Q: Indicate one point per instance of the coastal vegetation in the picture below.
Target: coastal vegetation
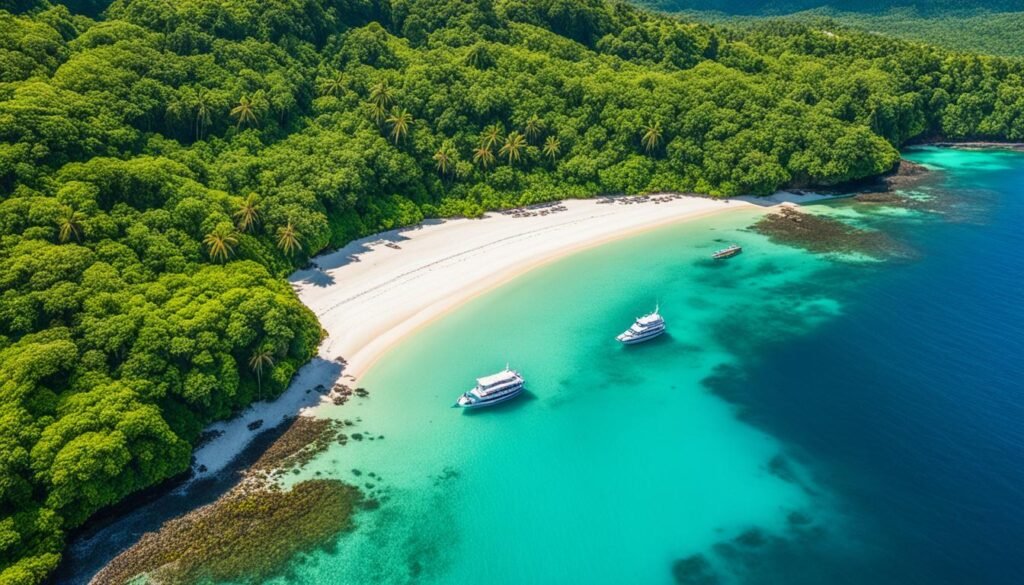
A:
(163, 165)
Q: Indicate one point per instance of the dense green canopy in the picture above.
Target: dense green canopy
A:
(164, 164)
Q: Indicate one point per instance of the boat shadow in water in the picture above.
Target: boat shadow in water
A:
(522, 401)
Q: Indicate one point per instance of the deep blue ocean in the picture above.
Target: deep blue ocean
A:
(911, 403)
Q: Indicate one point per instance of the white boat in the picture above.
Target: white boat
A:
(644, 329)
(729, 252)
(493, 389)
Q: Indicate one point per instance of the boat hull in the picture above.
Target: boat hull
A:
(640, 339)
(726, 254)
(486, 403)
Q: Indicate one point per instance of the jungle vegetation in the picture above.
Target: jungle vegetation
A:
(163, 166)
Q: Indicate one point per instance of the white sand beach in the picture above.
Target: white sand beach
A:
(369, 295)
(379, 289)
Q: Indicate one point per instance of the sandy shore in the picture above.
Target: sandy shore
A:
(369, 295)
(376, 290)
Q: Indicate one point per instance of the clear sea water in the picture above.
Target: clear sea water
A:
(809, 419)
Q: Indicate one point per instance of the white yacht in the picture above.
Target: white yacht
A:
(644, 329)
(493, 389)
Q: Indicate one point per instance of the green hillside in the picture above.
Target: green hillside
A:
(991, 28)
(163, 166)
(776, 7)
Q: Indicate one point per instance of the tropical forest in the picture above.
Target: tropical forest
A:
(164, 165)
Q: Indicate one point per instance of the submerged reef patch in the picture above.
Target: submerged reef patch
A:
(250, 533)
(825, 235)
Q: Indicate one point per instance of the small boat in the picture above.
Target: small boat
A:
(729, 252)
(643, 329)
(493, 389)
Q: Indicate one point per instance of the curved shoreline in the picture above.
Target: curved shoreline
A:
(432, 278)
(377, 290)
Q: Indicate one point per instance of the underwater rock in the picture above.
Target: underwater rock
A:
(304, 439)
(246, 536)
(884, 197)
(797, 519)
(751, 538)
(694, 570)
(821, 234)
(780, 468)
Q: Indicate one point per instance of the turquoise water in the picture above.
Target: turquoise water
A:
(617, 463)
(739, 437)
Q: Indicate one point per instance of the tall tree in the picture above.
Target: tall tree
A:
(202, 104)
(382, 97)
(445, 158)
(69, 224)
(288, 239)
(534, 126)
(245, 111)
(248, 213)
(651, 136)
(483, 156)
(400, 120)
(513, 148)
(221, 242)
(334, 85)
(552, 148)
(383, 94)
(491, 136)
(262, 357)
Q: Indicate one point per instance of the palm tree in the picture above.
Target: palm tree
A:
(245, 111)
(381, 98)
(381, 93)
(70, 224)
(261, 358)
(288, 239)
(513, 147)
(333, 85)
(202, 105)
(651, 137)
(248, 213)
(377, 112)
(479, 57)
(221, 242)
(400, 120)
(445, 157)
(534, 126)
(552, 148)
(483, 156)
(491, 136)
